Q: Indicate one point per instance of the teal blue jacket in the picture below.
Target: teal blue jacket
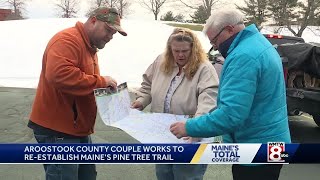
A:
(251, 102)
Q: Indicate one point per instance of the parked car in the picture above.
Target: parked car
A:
(301, 66)
(216, 60)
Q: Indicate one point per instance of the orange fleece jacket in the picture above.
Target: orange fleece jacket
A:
(64, 100)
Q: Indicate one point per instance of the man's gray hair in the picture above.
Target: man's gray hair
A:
(223, 17)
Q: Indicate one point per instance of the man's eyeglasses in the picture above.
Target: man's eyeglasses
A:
(215, 38)
(213, 41)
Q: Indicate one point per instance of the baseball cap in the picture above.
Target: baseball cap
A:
(110, 16)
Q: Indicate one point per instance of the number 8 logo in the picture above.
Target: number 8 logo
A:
(275, 153)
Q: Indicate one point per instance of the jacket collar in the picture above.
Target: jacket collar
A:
(85, 37)
(245, 33)
(224, 47)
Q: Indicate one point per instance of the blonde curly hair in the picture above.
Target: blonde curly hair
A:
(197, 55)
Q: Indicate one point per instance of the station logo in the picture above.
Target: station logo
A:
(276, 152)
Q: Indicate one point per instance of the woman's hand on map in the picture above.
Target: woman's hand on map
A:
(137, 105)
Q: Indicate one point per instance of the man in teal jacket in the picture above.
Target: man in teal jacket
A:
(251, 102)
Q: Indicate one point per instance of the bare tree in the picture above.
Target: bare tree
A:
(18, 7)
(294, 15)
(121, 5)
(111, 3)
(99, 3)
(283, 11)
(153, 5)
(208, 5)
(95, 4)
(308, 15)
(68, 8)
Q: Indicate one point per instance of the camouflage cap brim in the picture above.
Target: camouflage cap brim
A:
(117, 28)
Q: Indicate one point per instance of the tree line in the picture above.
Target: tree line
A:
(65, 8)
(295, 15)
(70, 8)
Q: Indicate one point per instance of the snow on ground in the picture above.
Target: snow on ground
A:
(124, 58)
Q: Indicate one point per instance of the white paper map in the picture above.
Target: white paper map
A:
(114, 109)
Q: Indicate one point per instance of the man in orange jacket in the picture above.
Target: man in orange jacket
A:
(64, 109)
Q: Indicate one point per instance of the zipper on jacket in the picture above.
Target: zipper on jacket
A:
(94, 59)
(75, 112)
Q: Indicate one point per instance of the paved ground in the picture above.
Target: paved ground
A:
(15, 107)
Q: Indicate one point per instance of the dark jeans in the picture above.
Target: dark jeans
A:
(67, 171)
(260, 172)
(180, 171)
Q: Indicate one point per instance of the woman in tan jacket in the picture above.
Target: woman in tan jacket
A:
(180, 81)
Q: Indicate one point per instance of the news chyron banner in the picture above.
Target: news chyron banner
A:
(270, 153)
